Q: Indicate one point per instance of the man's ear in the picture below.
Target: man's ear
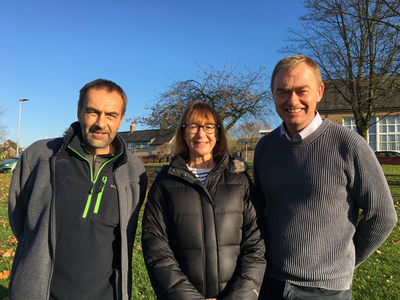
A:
(320, 92)
(122, 118)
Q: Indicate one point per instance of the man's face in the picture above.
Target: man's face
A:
(296, 94)
(100, 118)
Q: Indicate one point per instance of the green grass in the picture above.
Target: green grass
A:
(377, 278)
(392, 174)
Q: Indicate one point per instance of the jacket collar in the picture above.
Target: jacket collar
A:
(232, 164)
(73, 137)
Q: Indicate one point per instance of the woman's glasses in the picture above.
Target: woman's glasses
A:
(194, 128)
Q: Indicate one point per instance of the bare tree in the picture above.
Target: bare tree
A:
(249, 131)
(356, 45)
(393, 11)
(3, 128)
(235, 95)
(162, 151)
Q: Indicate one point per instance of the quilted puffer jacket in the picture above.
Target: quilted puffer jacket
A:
(203, 241)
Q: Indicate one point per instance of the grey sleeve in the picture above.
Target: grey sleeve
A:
(371, 191)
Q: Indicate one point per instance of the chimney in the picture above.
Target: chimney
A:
(133, 127)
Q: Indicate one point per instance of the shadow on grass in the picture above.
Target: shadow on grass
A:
(3, 292)
(394, 183)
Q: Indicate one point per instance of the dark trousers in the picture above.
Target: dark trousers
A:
(279, 290)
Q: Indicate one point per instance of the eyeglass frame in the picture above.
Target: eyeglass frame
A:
(201, 126)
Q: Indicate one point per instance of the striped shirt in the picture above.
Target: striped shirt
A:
(201, 174)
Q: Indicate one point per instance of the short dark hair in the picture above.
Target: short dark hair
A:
(198, 112)
(102, 84)
(290, 62)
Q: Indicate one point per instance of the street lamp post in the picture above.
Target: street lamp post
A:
(19, 120)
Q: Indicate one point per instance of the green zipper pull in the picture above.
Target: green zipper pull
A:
(100, 194)
(91, 188)
(89, 199)
(103, 183)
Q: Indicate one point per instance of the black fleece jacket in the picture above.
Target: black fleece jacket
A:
(203, 241)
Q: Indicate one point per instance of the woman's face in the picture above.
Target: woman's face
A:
(201, 144)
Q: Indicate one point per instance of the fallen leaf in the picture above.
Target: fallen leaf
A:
(5, 274)
(379, 252)
(8, 253)
(12, 240)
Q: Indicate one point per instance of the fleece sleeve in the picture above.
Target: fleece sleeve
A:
(17, 202)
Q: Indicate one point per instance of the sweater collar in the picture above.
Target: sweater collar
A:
(305, 132)
(310, 138)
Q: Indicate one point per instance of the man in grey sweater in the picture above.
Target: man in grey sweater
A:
(315, 176)
(74, 204)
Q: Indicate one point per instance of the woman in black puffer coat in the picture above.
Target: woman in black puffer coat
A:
(200, 232)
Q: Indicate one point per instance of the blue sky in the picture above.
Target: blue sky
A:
(50, 49)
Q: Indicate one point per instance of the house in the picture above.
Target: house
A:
(144, 142)
(264, 131)
(384, 132)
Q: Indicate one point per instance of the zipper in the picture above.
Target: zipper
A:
(89, 199)
(93, 183)
(100, 194)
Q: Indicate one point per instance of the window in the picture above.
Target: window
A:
(144, 145)
(389, 130)
(137, 145)
(350, 123)
(130, 146)
(383, 133)
(393, 154)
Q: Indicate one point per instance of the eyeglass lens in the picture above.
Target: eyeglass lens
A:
(194, 128)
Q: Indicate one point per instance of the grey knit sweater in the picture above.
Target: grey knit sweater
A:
(314, 190)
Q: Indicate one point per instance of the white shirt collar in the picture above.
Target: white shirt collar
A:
(310, 128)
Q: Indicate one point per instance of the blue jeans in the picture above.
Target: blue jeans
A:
(279, 290)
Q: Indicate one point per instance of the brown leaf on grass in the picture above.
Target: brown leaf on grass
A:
(395, 242)
(12, 240)
(379, 252)
(8, 253)
(5, 274)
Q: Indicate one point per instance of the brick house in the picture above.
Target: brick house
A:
(384, 132)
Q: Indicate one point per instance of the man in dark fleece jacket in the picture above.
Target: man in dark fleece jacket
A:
(74, 204)
(315, 176)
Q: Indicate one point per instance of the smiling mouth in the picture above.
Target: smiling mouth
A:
(96, 133)
(294, 110)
